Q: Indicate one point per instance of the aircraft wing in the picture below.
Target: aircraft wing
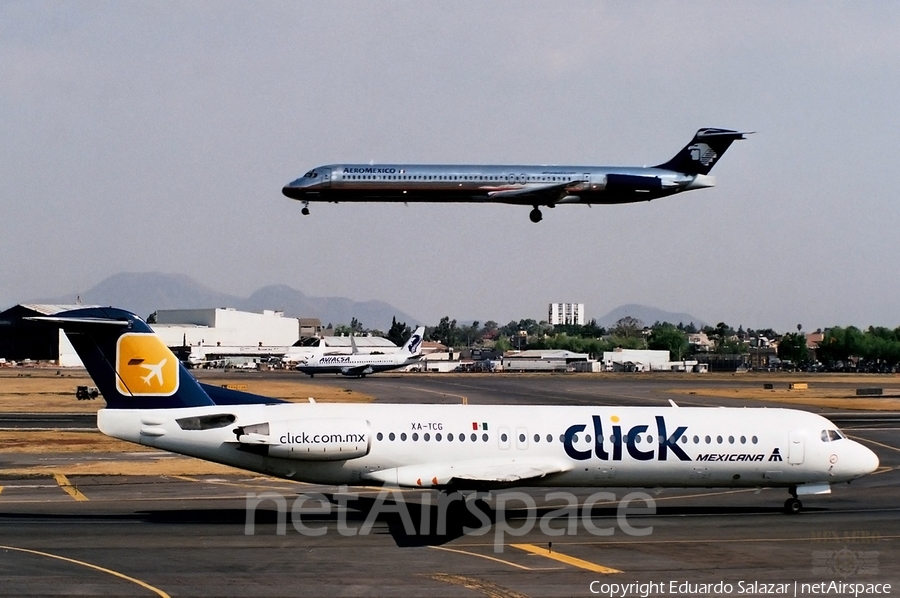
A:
(549, 193)
(472, 474)
(503, 473)
(357, 370)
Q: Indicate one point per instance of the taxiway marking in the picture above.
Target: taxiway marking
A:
(483, 556)
(564, 558)
(487, 588)
(143, 584)
(887, 446)
(68, 488)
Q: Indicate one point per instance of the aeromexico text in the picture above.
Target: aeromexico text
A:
(667, 444)
(369, 170)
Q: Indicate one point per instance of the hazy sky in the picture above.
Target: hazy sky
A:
(156, 136)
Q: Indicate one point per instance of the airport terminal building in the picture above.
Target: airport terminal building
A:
(225, 328)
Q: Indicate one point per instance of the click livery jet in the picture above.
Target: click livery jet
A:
(451, 447)
(519, 185)
(362, 364)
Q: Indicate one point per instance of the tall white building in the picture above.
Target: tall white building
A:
(566, 313)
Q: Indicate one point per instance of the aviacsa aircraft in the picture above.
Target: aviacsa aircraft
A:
(520, 185)
(151, 399)
(362, 364)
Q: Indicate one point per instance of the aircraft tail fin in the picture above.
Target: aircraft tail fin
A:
(414, 345)
(704, 150)
(129, 363)
(353, 348)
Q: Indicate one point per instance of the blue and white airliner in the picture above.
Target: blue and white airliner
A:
(516, 184)
(359, 364)
(450, 447)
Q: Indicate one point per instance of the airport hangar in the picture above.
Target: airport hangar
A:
(209, 332)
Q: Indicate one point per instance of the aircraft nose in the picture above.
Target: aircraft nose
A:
(862, 461)
(293, 190)
(868, 460)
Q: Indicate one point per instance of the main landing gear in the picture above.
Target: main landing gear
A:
(793, 505)
(536, 215)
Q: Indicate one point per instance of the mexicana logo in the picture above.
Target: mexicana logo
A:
(414, 343)
(666, 443)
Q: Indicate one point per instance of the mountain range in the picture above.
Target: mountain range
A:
(145, 292)
(647, 315)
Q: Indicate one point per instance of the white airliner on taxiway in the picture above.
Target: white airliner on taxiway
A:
(451, 447)
(362, 364)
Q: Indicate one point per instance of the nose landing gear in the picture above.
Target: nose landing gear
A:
(536, 215)
(793, 505)
(305, 210)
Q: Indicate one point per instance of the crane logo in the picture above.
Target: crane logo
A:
(145, 366)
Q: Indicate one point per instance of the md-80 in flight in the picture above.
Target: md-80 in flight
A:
(534, 186)
(451, 447)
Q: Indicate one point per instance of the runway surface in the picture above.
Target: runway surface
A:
(191, 536)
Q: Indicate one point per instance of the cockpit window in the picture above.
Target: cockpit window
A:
(311, 174)
(831, 435)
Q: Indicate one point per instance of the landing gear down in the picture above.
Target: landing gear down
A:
(793, 505)
(536, 215)
(305, 210)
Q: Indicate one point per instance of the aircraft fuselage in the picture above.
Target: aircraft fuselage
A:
(547, 185)
(442, 445)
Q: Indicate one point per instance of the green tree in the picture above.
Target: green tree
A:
(399, 332)
(446, 332)
(628, 328)
(666, 337)
(469, 334)
(792, 347)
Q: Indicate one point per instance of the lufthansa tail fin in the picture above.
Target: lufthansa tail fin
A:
(131, 366)
(704, 150)
(414, 345)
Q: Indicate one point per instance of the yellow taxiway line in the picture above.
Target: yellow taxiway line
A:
(68, 488)
(157, 591)
(564, 558)
(482, 556)
(491, 590)
(887, 446)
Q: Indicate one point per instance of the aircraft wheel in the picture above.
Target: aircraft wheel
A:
(792, 506)
(305, 211)
(536, 215)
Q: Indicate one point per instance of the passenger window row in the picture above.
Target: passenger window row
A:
(638, 439)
